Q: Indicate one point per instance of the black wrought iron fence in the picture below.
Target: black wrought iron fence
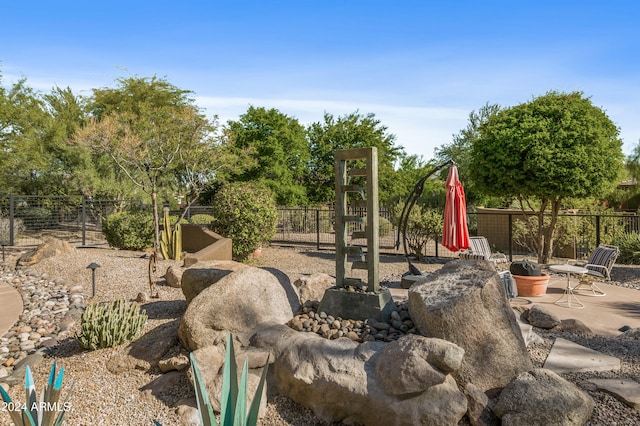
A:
(577, 234)
(26, 220)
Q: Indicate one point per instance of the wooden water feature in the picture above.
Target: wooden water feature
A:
(352, 297)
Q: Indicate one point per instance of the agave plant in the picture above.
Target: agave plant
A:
(47, 411)
(233, 405)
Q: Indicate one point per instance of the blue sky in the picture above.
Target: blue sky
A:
(420, 66)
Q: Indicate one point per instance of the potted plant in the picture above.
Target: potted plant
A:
(529, 279)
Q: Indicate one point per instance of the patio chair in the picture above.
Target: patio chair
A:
(479, 249)
(599, 267)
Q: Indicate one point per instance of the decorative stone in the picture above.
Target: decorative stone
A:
(464, 303)
(541, 317)
(179, 362)
(542, 397)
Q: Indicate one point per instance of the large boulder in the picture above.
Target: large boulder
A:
(414, 363)
(343, 381)
(465, 303)
(204, 274)
(541, 397)
(240, 302)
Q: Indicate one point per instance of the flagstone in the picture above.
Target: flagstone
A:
(569, 357)
(625, 390)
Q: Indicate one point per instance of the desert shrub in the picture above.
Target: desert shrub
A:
(525, 229)
(629, 245)
(384, 227)
(174, 218)
(247, 214)
(571, 229)
(424, 224)
(35, 218)
(129, 230)
(201, 219)
(110, 324)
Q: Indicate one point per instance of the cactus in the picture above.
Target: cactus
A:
(233, 404)
(47, 411)
(170, 240)
(110, 324)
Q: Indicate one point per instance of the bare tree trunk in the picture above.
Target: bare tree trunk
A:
(540, 236)
(156, 218)
(156, 240)
(550, 232)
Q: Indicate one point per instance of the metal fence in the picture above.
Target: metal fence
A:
(311, 226)
(26, 220)
(577, 234)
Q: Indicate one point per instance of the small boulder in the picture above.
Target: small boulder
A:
(142, 298)
(187, 410)
(179, 362)
(541, 317)
(162, 384)
(50, 248)
(312, 287)
(173, 276)
(480, 407)
(415, 363)
(541, 397)
(574, 325)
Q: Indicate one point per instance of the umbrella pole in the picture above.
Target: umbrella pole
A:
(406, 210)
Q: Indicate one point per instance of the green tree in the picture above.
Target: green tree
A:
(35, 132)
(412, 169)
(459, 151)
(67, 168)
(153, 132)
(22, 120)
(349, 131)
(278, 144)
(628, 197)
(554, 147)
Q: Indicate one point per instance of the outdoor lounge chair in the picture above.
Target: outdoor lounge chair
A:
(599, 267)
(479, 249)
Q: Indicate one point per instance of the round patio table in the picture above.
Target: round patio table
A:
(568, 291)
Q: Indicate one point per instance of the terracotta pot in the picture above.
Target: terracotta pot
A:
(531, 285)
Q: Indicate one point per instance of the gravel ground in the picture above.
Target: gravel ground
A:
(100, 397)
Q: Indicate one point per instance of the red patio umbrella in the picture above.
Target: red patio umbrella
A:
(455, 235)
